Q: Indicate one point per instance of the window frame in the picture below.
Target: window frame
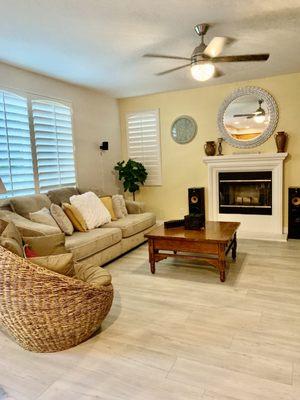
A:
(29, 96)
(157, 112)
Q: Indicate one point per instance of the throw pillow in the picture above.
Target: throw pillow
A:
(61, 219)
(3, 225)
(107, 201)
(11, 239)
(28, 253)
(43, 216)
(47, 245)
(119, 206)
(92, 209)
(60, 263)
(75, 217)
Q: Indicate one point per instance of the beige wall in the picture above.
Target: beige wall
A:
(182, 165)
(95, 118)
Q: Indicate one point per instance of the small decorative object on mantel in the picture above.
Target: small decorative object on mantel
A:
(220, 140)
(281, 139)
(210, 148)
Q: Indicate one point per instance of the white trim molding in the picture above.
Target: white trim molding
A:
(266, 227)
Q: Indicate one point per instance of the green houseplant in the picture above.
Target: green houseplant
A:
(133, 174)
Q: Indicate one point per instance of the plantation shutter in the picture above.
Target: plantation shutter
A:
(52, 124)
(16, 168)
(143, 140)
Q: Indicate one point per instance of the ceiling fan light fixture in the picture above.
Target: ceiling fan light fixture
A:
(259, 118)
(202, 72)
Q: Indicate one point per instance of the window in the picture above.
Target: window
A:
(143, 141)
(36, 145)
(52, 124)
(16, 168)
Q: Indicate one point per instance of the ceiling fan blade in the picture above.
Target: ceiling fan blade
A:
(164, 56)
(215, 46)
(246, 57)
(244, 115)
(218, 73)
(173, 69)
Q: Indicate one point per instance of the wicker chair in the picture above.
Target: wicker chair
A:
(45, 311)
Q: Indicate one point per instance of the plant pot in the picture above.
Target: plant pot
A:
(281, 139)
(210, 148)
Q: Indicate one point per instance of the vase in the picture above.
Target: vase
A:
(281, 139)
(220, 140)
(210, 148)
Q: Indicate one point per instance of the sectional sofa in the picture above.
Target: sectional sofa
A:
(97, 246)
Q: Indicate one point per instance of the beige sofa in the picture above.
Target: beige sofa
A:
(99, 245)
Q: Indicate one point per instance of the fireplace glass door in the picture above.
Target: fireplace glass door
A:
(245, 193)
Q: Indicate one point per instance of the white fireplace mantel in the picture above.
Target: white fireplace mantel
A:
(268, 227)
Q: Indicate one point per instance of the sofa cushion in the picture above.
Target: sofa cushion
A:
(27, 227)
(133, 223)
(85, 244)
(62, 195)
(61, 263)
(11, 239)
(92, 274)
(24, 205)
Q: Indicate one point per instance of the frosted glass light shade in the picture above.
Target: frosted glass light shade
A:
(202, 72)
(259, 118)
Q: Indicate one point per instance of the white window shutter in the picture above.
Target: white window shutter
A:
(143, 143)
(16, 168)
(52, 124)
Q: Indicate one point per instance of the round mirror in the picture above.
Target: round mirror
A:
(248, 117)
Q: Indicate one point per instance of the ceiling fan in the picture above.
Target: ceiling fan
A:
(258, 115)
(204, 57)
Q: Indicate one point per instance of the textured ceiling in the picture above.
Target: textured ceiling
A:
(100, 43)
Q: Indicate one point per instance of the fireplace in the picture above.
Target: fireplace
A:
(247, 188)
(245, 193)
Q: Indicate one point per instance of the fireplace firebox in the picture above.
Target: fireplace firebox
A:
(245, 192)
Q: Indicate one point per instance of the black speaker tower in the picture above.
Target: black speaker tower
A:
(196, 201)
(294, 213)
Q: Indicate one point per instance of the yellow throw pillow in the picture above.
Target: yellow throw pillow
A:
(107, 201)
(60, 263)
(46, 245)
(75, 217)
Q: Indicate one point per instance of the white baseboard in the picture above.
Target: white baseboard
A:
(273, 237)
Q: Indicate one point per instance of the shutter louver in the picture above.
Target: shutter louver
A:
(52, 124)
(143, 141)
(16, 168)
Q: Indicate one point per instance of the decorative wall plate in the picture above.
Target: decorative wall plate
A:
(184, 129)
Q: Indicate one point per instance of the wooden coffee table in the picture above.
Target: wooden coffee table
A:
(210, 244)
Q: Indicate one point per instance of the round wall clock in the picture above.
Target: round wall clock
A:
(184, 129)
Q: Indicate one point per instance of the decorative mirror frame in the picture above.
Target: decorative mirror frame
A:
(190, 119)
(268, 101)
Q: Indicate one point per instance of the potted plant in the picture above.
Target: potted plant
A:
(133, 174)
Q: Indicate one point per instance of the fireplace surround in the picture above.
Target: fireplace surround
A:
(248, 188)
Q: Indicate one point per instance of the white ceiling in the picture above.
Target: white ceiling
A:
(100, 43)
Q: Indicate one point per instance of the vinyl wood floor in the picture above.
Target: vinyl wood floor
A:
(180, 335)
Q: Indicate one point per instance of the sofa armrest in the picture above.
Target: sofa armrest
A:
(135, 207)
(27, 227)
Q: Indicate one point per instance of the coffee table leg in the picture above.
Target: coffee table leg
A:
(222, 263)
(234, 247)
(151, 255)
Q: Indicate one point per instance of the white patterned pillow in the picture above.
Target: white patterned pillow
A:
(91, 208)
(119, 206)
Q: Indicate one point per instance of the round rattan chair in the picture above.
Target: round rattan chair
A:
(45, 311)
